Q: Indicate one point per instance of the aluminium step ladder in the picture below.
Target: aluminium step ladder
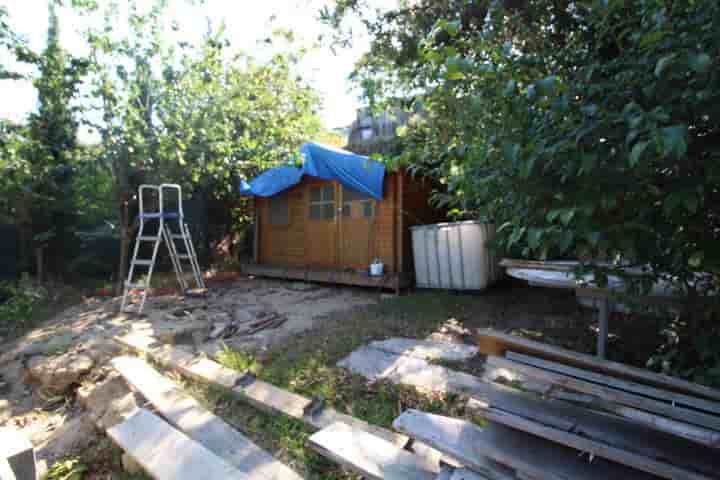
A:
(171, 228)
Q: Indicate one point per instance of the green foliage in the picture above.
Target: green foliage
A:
(240, 361)
(19, 302)
(584, 129)
(67, 469)
(47, 146)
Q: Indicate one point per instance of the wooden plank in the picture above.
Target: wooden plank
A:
(604, 429)
(467, 474)
(612, 431)
(426, 349)
(496, 343)
(534, 264)
(693, 433)
(185, 413)
(622, 456)
(167, 454)
(376, 364)
(17, 456)
(523, 452)
(256, 392)
(368, 455)
(500, 364)
(625, 385)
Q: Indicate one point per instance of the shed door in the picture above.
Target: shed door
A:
(357, 229)
(321, 236)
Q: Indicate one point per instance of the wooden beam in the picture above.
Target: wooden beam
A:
(537, 265)
(370, 456)
(186, 414)
(585, 445)
(492, 342)
(609, 394)
(258, 393)
(627, 416)
(426, 349)
(17, 456)
(167, 454)
(377, 364)
(520, 451)
(620, 384)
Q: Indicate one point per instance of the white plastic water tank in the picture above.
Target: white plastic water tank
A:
(454, 255)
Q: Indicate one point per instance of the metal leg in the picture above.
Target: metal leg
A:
(603, 313)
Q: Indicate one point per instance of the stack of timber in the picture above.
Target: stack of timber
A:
(546, 419)
(629, 417)
(203, 428)
(402, 453)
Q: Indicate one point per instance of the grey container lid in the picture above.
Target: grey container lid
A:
(450, 224)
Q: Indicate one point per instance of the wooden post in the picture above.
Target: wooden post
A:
(256, 231)
(603, 314)
(399, 225)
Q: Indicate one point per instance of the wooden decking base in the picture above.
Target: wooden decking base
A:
(391, 281)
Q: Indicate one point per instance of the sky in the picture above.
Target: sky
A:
(247, 23)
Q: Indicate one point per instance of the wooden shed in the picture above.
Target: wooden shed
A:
(324, 231)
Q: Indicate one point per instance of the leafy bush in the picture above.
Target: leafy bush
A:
(19, 301)
(586, 129)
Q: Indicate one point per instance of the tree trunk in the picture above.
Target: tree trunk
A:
(122, 188)
(124, 248)
(25, 232)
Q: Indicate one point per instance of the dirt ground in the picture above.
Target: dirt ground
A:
(42, 372)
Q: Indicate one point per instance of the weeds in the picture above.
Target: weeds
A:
(67, 469)
(306, 365)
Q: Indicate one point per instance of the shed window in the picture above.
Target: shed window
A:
(357, 204)
(322, 202)
(279, 210)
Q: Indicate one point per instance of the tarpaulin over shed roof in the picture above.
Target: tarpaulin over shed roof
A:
(354, 171)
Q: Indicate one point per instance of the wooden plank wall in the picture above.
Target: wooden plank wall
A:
(385, 219)
(405, 204)
(416, 210)
(283, 244)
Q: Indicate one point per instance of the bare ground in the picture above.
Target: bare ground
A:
(44, 369)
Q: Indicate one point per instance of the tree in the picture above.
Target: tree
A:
(50, 146)
(9, 42)
(585, 129)
(186, 114)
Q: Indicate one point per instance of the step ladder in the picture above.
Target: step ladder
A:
(171, 229)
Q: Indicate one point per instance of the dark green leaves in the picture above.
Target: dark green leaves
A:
(663, 63)
(700, 62)
(547, 86)
(636, 153)
(674, 140)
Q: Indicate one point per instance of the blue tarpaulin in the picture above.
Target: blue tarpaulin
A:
(354, 171)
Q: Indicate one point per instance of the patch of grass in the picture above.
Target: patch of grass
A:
(71, 468)
(240, 361)
(306, 365)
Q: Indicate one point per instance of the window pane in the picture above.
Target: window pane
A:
(347, 207)
(329, 193)
(316, 212)
(279, 210)
(329, 211)
(316, 194)
(368, 210)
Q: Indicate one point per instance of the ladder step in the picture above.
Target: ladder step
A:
(176, 236)
(184, 257)
(148, 239)
(143, 262)
(138, 286)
